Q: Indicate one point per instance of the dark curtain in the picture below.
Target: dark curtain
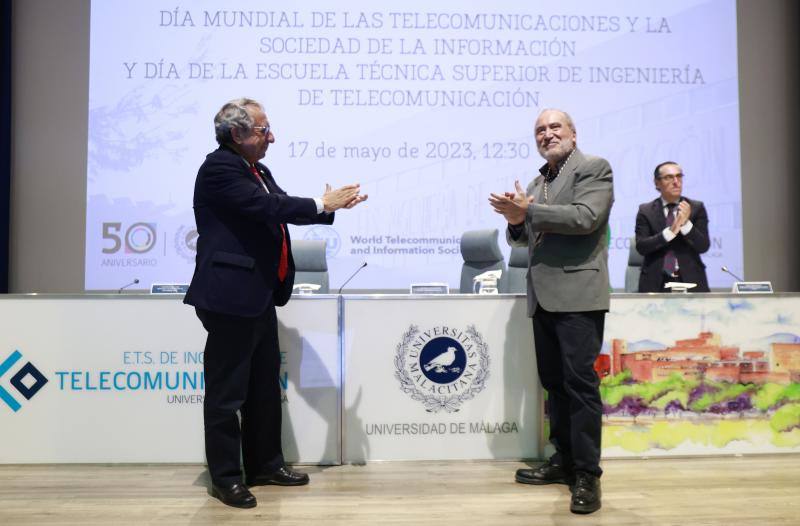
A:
(5, 139)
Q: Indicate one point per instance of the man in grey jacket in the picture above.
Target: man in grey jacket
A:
(562, 218)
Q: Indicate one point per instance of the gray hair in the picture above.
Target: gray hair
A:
(567, 118)
(234, 114)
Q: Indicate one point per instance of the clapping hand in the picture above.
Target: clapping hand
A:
(684, 211)
(513, 206)
(345, 197)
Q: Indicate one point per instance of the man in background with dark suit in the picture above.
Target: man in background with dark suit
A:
(244, 269)
(671, 233)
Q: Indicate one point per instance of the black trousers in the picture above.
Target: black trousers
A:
(242, 363)
(567, 345)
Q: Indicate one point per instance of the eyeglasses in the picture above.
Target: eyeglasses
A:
(261, 130)
(670, 177)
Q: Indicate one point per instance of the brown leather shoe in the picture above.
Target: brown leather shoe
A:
(236, 495)
(547, 473)
(585, 493)
(283, 476)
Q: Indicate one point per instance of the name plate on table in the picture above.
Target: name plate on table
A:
(752, 287)
(430, 288)
(169, 288)
(679, 286)
(305, 288)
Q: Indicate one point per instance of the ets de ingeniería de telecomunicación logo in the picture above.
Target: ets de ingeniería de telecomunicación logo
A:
(27, 380)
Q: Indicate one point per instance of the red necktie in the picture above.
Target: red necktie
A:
(283, 264)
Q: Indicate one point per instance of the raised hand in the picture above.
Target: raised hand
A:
(513, 206)
(684, 211)
(359, 199)
(344, 197)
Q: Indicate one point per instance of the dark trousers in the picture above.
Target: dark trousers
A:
(242, 363)
(567, 345)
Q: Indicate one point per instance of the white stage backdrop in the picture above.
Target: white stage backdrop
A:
(429, 106)
(121, 380)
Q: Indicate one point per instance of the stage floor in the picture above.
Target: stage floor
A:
(758, 490)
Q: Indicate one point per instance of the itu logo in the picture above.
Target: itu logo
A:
(325, 233)
(442, 367)
(27, 380)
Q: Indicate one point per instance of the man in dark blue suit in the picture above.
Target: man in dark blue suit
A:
(244, 269)
(671, 233)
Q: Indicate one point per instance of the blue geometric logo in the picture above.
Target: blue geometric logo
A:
(27, 381)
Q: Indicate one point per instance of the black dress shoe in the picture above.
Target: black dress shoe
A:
(236, 495)
(547, 473)
(283, 476)
(585, 493)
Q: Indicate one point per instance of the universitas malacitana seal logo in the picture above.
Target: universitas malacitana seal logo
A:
(442, 367)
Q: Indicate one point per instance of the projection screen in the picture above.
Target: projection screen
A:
(429, 105)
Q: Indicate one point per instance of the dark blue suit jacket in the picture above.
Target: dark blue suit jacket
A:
(650, 222)
(239, 243)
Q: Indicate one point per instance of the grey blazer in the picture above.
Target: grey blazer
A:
(566, 237)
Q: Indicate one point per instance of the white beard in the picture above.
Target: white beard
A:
(556, 155)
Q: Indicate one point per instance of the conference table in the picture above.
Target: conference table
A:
(118, 377)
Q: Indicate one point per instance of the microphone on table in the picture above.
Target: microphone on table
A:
(134, 282)
(725, 269)
(364, 264)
